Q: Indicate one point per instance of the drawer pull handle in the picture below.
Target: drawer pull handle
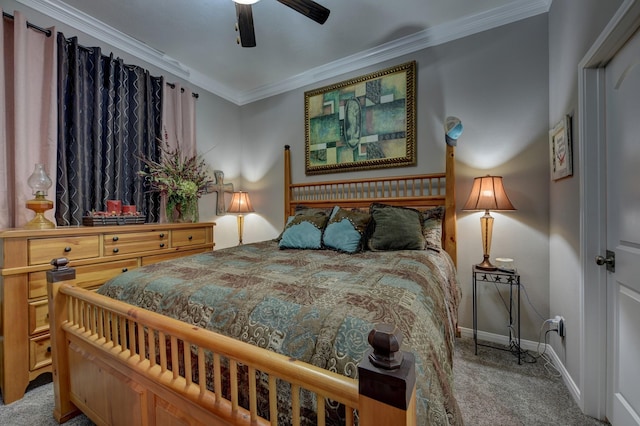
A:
(125, 269)
(49, 349)
(190, 237)
(67, 249)
(115, 238)
(162, 235)
(161, 244)
(115, 250)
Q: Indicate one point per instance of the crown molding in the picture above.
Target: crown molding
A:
(433, 36)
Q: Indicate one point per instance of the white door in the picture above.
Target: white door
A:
(623, 234)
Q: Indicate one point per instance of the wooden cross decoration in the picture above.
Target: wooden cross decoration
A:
(218, 186)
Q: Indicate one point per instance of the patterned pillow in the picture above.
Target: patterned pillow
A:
(345, 230)
(395, 228)
(303, 232)
(432, 226)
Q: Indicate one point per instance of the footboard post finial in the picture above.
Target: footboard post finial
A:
(63, 407)
(387, 380)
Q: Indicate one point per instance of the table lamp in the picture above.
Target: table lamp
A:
(240, 203)
(40, 183)
(487, 194)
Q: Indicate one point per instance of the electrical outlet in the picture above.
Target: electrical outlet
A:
(557, 324)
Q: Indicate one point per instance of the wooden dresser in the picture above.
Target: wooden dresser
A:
(98, 253)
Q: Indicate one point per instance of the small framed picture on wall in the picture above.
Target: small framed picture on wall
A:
(561, 150)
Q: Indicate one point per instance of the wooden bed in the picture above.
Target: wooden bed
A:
(113, 361)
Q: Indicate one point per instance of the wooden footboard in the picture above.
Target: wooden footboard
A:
(122, 365)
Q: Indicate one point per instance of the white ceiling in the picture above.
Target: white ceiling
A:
(196, 39)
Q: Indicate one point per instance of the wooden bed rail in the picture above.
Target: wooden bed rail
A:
(120, 364)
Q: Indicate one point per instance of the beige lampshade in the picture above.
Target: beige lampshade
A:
(240, 203)
(488, 193)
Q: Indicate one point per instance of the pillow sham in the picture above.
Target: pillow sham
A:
(432, 226)
(395, 228)
(345, 230)
(303, 232)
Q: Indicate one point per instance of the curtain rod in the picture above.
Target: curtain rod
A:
(173, 86)
(48, 34)
(30, 25)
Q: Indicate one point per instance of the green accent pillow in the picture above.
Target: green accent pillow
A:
(345, 230)
(303, 232)
(395, 228)
(432, 226)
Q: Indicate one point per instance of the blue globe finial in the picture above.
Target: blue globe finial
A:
(452, 130)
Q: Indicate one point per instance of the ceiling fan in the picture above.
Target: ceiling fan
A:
(244, 26)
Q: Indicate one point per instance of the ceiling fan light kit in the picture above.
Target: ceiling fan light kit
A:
(244, 25)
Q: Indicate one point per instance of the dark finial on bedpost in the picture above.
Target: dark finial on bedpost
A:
(60, 271)
(387, 375)
(286, 147)
(386, 340)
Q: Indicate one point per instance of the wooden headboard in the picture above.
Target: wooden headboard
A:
(417, 191)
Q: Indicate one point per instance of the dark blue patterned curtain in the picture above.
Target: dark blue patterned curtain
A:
(109, 116)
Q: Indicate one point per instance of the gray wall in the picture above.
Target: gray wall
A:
(497, 83)
(574, 25)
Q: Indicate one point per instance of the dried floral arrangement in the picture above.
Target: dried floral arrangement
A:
(182, 179)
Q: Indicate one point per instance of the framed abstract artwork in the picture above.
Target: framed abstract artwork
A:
(561, 151)
(364, 123)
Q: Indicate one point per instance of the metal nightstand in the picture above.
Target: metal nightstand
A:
(512, 279)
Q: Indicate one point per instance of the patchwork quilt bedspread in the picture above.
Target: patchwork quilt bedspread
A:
(315, 305)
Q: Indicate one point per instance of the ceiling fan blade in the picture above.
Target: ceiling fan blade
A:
(245, 25)
(308, 8)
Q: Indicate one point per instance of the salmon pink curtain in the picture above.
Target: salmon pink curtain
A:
(178, 125)
(28, 125)
(179, 118)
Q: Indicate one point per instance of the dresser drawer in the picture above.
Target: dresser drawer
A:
(136, 242)
(188, 237)
(86, 276)
(42, 250)
(38, 316)
(39, 352)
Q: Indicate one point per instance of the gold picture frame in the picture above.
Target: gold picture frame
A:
(561, 150)
(363, 123)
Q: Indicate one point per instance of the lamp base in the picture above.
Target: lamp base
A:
(40, 205)
(240, 228)
(486, 265)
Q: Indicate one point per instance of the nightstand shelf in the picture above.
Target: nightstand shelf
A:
(500, 278)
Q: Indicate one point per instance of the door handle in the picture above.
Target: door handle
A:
(610, 261)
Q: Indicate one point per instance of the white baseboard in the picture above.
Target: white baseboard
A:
(531, 346)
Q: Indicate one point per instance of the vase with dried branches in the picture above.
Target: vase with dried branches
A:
(180, 179)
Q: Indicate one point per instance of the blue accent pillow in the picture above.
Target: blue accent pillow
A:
(303, 232)
(345, 230)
